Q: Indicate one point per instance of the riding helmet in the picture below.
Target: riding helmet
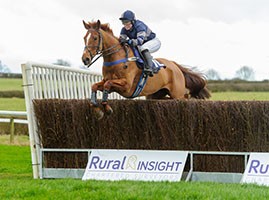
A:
(128, 15)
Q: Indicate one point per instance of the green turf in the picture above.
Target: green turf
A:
(15, 161)
(12, 104)
(240, 96)
(9, 84)
(16, 183)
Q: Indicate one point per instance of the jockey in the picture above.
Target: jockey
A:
(139, 35)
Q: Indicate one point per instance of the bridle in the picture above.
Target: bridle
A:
(100, 51)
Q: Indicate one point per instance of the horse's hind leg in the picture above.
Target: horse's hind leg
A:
(178, 92)
(161, 94)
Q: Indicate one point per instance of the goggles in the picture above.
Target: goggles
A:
(125, 21)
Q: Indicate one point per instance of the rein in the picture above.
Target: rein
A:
(101, 52)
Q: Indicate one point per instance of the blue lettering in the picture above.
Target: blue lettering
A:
(156, 166)
(177, 165)
(138, 166)
(143, 165)
(264, 171)
(123, 162)
(97, 163)
(116, 164)
(104, 164)
(161, 166)
(253, 165)
(151, 165)
(94, 161)
(110, 161)
(169, 166)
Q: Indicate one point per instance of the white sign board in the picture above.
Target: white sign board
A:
(135, 165)
(257, 170)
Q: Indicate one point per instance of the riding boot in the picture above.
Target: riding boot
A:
(149, 64)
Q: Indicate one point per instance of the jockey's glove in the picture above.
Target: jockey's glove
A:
(123, 41)
(132, 43)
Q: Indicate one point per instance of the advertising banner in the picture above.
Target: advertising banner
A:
(135, 165)
(257, 170)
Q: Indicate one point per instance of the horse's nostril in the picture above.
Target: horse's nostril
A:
(86, 61)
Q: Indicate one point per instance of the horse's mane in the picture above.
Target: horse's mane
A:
(104, 27)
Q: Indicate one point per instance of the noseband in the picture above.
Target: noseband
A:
(99, 48)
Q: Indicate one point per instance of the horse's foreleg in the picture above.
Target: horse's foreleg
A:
(95, 87)
(93, 99)
(118, 84)
(107, 108)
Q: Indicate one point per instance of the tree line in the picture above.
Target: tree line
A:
(243, 73)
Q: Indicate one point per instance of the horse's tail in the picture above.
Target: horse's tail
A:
(195, 82)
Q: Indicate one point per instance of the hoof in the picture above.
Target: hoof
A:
(93, 105)
(99, 114)
(108, 109)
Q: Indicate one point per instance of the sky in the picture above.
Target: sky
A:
(223, 35)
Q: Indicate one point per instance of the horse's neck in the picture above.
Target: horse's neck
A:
(109, 42)
(118, 72)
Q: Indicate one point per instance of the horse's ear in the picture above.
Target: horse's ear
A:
(87, 26)
(98, 25)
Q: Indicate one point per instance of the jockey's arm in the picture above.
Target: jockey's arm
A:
(123, 37)
(140, 38)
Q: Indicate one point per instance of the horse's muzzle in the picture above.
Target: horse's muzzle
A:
(86, 61)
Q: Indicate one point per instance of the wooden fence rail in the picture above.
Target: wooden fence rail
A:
(12, 115)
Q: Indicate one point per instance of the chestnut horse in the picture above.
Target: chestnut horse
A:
(122, 74)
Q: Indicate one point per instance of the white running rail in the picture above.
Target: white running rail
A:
(43, 81)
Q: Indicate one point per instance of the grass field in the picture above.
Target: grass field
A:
(13, 104)
(240, 96)
(8, 84)
(16, 183)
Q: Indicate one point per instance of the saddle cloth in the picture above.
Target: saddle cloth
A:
(140, 62)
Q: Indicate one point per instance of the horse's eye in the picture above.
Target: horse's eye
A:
(95, 38)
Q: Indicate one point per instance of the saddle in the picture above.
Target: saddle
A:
(140, 62)
(143, 78)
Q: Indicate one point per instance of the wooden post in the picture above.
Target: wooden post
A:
(12, 129)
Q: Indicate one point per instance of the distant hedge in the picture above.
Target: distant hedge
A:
(10, 75)
(240, 126)
(12, 93)
(238, 85)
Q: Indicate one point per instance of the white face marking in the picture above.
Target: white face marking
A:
(88, 37)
